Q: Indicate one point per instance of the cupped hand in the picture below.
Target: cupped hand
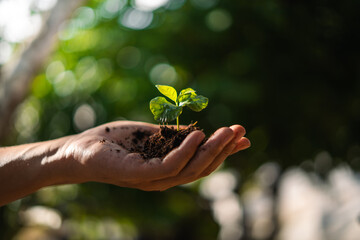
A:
(102, 154)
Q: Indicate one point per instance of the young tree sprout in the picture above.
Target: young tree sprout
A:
(165, 111)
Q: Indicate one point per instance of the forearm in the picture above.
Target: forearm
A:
(26, 168)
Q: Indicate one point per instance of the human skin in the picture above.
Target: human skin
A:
(95, 156)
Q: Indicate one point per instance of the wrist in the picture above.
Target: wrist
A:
(59, 165)
(26, 168)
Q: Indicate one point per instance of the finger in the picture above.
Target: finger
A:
(217, 162)
(178, 158)
(239, 132)
(133, 165)
(202, 159)
(208, 152)
(238, 143)
(242, 144)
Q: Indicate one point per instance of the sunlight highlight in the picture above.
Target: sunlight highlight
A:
(136, 19)
(146, 5)
(17, 22)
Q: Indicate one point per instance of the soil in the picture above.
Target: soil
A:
(159, 144)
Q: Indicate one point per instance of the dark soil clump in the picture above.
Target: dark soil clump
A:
(159, 144)
(139, 136)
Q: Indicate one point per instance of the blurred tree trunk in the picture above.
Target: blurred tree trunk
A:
(17, 75)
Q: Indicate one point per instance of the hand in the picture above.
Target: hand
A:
(100, 155)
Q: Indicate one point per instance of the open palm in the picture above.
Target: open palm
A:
(102, 152)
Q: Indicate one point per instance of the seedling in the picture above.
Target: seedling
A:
(165, 111)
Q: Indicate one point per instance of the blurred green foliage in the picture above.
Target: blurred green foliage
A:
(287, 71)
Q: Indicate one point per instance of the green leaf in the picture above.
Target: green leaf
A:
(163, 110)
(168, 91)
(193, 101)
(198, 103)
(187, 91)
(185, 96)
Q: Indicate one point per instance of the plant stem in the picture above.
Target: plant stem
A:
(177, 119)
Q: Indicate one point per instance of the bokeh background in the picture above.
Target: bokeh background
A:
(288, 71)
